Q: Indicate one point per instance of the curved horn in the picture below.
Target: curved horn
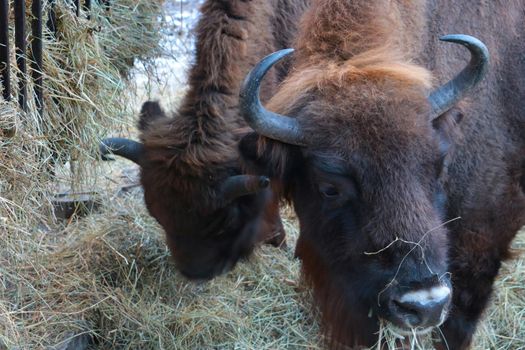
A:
(264, 122)
(242, 185)
(128, 149)
(443, 98)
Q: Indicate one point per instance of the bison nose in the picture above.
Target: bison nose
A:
(205, 271)
(198, 275)
(422, 308)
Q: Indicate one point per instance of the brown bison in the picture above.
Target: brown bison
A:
(408, 196)
(190, 171)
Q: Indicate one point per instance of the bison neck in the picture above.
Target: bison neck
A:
(342, 29)
(231, 38)
(488, 159)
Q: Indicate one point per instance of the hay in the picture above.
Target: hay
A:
(112, 277)
(85, 66)
(22, 179)
(504, 326)
(131, 31)
(93, 57)
(85, 94)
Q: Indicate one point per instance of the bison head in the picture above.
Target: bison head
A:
(361, 147)
(211, 213)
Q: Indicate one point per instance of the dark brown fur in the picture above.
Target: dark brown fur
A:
(361, 99)
(190, 152)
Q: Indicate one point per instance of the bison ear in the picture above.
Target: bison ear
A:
(263, 156)
(149, 113)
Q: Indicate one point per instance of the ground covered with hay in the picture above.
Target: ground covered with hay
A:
(110, 276)
(106, 281)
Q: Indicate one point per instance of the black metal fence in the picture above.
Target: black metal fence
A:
(35, 58)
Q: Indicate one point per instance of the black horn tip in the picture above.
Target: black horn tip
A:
(104, 150)
(264, 182)
(444, 97)
(470, 42)
(463, 39)
(128, 149)
(241, 185)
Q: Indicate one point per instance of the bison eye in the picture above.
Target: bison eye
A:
(328, 190)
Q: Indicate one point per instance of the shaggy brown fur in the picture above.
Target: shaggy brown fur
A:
(188, 154)
(379, 180)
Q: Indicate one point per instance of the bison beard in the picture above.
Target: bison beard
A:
(377, 165)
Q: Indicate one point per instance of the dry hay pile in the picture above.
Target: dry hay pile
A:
(22, 196)
(85, 68)
(111, 277)
(131, 31)
(85, 95)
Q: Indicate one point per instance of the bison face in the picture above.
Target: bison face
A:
(206, 236)
(212, 215)
(370, 200)
(372, 239)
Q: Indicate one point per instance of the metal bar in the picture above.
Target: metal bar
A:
(5, 64)
(36, 53)
(87, 8)
(20, 50)
(77, 7)
(52, 18)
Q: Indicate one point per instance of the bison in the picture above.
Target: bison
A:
(408, 194)
(212, 213)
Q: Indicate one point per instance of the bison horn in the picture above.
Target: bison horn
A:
(442, 99)
(242, 185)
(128, 149)
(264, 122)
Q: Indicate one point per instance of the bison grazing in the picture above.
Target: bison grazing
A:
(408, 196)
(193, 184)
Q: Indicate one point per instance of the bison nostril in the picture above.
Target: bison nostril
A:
(423, 308)
(409, 313)
(197, 276)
